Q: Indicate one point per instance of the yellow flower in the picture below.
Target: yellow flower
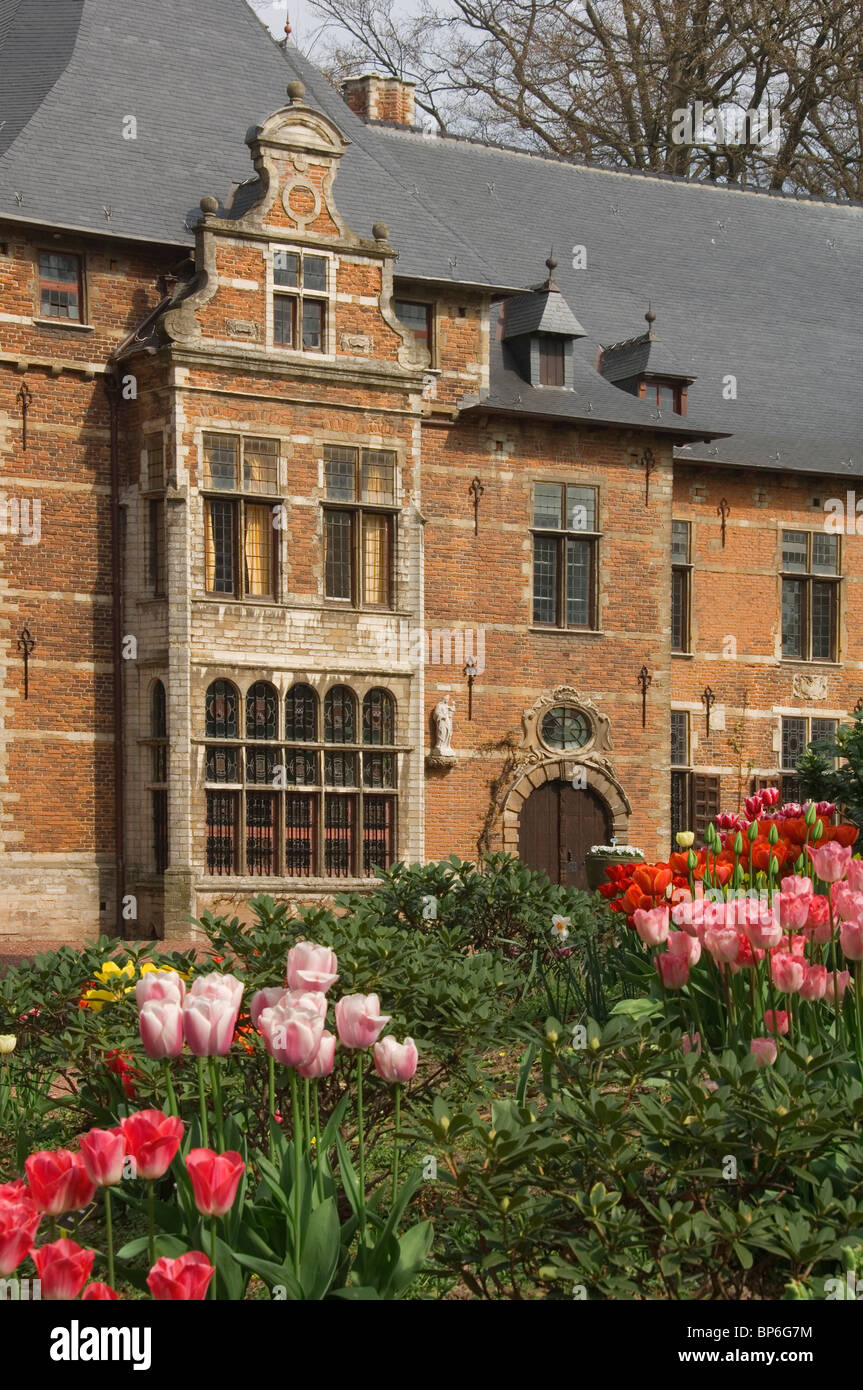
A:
(148, 968)
(7, 1043)
(685, 838)
(111, 972)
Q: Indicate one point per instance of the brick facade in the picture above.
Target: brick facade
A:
(210, 365)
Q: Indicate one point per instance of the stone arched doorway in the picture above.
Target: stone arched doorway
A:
(557, 826)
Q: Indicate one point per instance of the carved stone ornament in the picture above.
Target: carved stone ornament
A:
(810, 687)
(534, 748)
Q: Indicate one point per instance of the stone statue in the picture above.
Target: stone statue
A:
(442, 754)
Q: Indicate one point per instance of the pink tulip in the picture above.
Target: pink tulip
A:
(58, 1181)
(723, 943)
(777, 1021)
(680, 943)
(814, 984)
(18, 1223)
(787, 972)
(160, 1023)
(359, 1020)
(216, 986)
(292, 1036)
(184, 1279)
(313, 1000)
(98, 1292)
(764, 1050)
(855, 875)
(651, 925)
(395, 1062)
(818, 921)
(152, 1139)
(796, 887)
(63, 1269)
(691, 1042)
(791, 910)
(103, 1152)
(851, 940)
(673, 970)
(836, 985)
(323, 1060)
(830, 861)
(311, 967)
(847, 902)
(215, 1179)
(158, 985)
(763, 931)
(264, 999)
(209, 1022)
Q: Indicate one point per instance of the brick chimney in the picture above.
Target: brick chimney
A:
(377, 98)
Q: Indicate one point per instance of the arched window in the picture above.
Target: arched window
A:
(301, 715)
(262, 711)
(158, 711)
(339, 715)
(379, 718)
(565, 727)
(221, 710)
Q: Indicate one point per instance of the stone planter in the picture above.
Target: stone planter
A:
(595, 865)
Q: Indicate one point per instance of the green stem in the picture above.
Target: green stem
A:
(217, 1098)
(398, 1091)
(202, 1102)
(295, 1110)
(172, 1099)
(213, 1256)
(151, 1224)
(307, 1114)
(319, 1171)
(271, 1095)
(362, 1146)
(109, 1237)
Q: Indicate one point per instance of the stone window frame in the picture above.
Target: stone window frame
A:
(157, 755)
(808, 577)
(321, 792)
(77, 254)
(241, 496)
(432, 307)
(359, 508)
(562, 536)
(154, 528)
(329, 296)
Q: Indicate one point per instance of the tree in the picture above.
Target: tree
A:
(821, 780)
(606, 80)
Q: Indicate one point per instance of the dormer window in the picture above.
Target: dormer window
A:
(539, 330)
(669, 397)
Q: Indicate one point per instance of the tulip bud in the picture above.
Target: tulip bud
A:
(810, 813)
(686, 838)
(738, 843)
(752, 832)
(817, 831)
(774, 864)
(7, 1043)
(773, 836)
(691, 859)
(444, 1123)
(505, 1205)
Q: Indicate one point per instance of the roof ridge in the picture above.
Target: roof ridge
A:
(789, 196)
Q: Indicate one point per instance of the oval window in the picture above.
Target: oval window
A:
(565, 727)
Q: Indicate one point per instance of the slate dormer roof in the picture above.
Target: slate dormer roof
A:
(543, 310)
(644, 356)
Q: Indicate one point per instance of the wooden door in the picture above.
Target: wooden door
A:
(557, 827)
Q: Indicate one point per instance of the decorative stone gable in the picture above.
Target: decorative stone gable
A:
(289, 210)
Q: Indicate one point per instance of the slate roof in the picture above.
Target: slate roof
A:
(541, 311)
(635, 357)
(757, 292)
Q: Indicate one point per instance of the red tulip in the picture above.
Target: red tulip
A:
(152, 1139)
(58, 1181)
(98, 1291)
(184, 1279)
(63, 1269)
(673, 970)
(215, 1179)
(777, 1021)
(18, 1223)
(103, 1152)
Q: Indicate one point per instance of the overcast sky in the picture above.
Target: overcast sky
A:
(305, 23)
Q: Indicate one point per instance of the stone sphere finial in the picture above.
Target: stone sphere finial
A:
(296, 92)
(381, 231)
(209, 204)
